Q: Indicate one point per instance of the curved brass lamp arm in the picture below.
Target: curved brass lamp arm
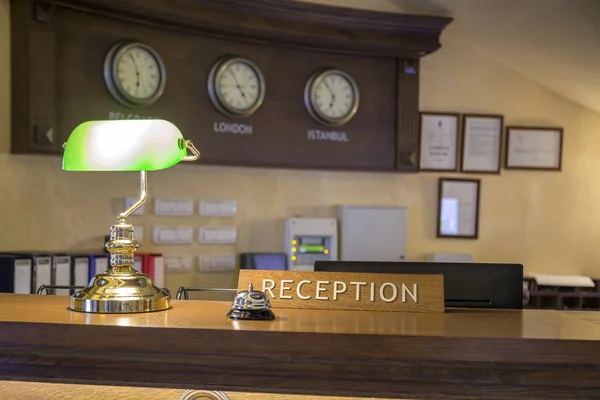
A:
(143, 196)
(186, 144)
(195, 153)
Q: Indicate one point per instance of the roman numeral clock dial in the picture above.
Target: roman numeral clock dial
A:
(331, 97)
(236, 87)
(134, 74)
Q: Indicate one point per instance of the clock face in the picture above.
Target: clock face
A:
(332, 97)
(136, 75)
(236, 87)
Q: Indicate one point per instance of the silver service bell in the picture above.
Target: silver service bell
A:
(251, 305)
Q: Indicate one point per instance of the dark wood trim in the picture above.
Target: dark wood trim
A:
(407, 116)
(34, 87)
(305, 167)
(500, 144)
(439, 233)
(448, 114)
(433, 368)
(534, 128)
(302, 24)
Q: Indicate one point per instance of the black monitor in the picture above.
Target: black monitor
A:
(264, 261)
(466, 285)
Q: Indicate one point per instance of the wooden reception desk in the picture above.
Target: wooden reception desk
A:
(466, 354)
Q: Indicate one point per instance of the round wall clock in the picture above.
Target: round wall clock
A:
(331, 97)
(134, 74)
(236, 87)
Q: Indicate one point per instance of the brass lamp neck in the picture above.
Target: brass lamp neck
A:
(122, 247)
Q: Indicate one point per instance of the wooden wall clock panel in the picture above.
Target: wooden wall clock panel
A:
(75, 36)
(279, 128)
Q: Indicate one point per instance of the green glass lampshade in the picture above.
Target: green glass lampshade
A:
(124, 145)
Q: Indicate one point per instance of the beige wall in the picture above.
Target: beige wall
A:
(545, 220)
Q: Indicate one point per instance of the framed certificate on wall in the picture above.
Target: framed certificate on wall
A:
(438, 142)
(481, 143)
(534, 148)
(458, 208)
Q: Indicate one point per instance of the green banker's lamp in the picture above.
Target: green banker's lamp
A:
(124, 145)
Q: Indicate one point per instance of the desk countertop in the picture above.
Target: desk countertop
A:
(488, 354)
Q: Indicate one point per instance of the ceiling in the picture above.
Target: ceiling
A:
(555, 43)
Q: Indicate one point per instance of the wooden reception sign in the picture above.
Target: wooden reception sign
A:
(348, 290)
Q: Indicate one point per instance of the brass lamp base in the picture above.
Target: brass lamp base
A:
(122, 289)
(112, 293)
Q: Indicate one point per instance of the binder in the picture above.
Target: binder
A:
(41, 268)
(80, 270)
(42, 271)
(16, 273)
(154, 265)
(98, 264)
(61, 273)
(138, 263)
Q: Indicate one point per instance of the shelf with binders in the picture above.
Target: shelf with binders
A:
(26, 272)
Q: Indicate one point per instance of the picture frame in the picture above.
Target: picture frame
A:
(534, 148)
(438, 141)
(458, 208)
(481, 143)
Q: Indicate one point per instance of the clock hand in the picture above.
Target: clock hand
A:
(137, 72)
(330, 91)
(238, 86)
